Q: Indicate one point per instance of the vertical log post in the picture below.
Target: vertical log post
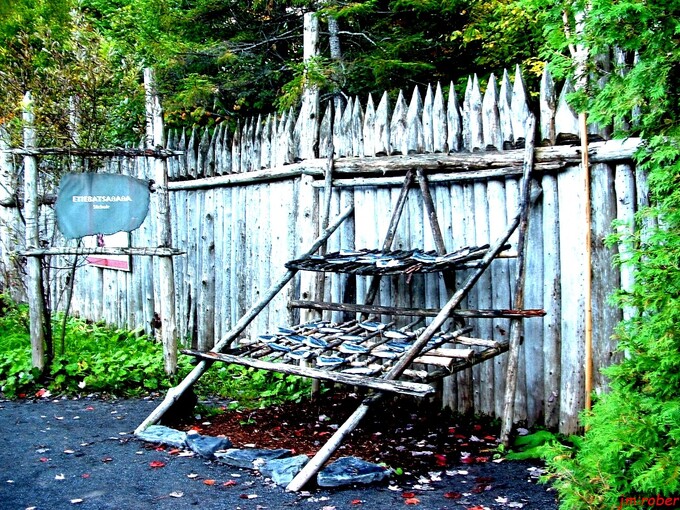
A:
(309, 124)
(36, 300)
(166, 279)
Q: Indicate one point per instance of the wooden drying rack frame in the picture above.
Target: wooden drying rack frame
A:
(389, 381)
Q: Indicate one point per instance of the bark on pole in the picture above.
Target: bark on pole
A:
(166, 279)
(31, 214)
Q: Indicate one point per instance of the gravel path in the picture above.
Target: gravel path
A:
(80, 454)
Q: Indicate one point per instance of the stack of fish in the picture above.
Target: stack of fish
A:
(389, 262)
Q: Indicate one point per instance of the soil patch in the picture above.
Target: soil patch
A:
(408, 435)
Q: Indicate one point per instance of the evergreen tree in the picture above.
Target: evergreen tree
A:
(631, 447)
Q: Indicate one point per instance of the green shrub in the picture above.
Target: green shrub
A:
(103, 359)
(632, 444)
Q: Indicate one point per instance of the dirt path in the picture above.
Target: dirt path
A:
(73, 454)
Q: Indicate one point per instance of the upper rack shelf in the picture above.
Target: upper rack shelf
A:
(378, 262)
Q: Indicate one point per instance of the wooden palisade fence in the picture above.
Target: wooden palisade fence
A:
(245, 202)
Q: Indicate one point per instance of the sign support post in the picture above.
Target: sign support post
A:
(36, 300)
(155, 138)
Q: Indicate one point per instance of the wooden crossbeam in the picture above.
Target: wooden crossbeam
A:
(402, 387)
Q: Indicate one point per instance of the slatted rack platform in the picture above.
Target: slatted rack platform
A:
(360, 353)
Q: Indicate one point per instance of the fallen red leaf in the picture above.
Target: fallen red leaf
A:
(440, 459)
(477, 427)
(209, 482)
(475, 508)
(412, 501)
(489, 438)
(357, 501)
(453, 495)
(160, 448)
(22, 395)
(157, 464)
(482, 460)
(85, 475)
(229, 483)
(174, 451)
(44, 459)
(89, 408)
(408, 495)
(468, 460)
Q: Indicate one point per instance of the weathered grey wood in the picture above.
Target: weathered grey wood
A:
(206, 284)
(176, 392)
(356, 128)
(345, 130)
(475, 117)
(516, 328)
(415, 143)
(310, 93)
(415, 312)
(153, 152)
(484, 389)
(399, 127)
(439, 122)
(428, 120)
(566, 119)
(391, 232)
(454, 132)
(548, 107)
(531, 364)
(402, 387)
(74, 250)
(624, 185)
(191, 157)
(607, 278)
(163, 227)
(500, 284)
(326, 133)
(202, 157)
(504, 109)
(236, 150)
(520, 107)
(382, 133)
(491, 120)
(36, 301)
(572, 257)
(370, 138)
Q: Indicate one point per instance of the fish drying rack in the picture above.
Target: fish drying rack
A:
(373, 354)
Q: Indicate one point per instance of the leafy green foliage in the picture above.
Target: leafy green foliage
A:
(251, 388)
(632, 442)
(115, 361)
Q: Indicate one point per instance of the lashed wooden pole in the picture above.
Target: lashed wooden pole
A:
(175, 393)
(516, 325)
(315, 464)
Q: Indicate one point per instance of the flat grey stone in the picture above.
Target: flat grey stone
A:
(206, 446)
(250, 458)
(282, 471)
(350, 470)
(160, 434)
